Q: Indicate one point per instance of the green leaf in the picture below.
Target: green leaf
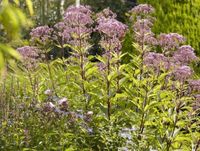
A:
(30, 6)
(7, 50)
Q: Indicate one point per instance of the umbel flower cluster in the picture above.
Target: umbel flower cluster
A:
(152, 101)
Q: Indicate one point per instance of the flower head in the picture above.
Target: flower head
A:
(105, 14)
(41, 34)
(185, 54)
(30, 55)
(112, 28)
(143, 9)
(170, 41)
(143, 33)
(194, 85)
(182, 73)
(78, 16)
(156, 60)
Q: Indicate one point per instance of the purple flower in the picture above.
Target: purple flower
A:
(143, 33)
(196, 103)
(194, 85)
(156, 61)
(30, 55)
(48, 107)
(182, 73)
(76, 27)
(112, 32)
(41, 34)
(185, 55)
(170, 41)
(112, 28)
(143, 9)
(63, 103)
(78, 16)
(105, 14)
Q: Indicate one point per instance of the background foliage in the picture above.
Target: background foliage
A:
(180, 16)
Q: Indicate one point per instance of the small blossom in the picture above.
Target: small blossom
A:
(185, 54)
(63, 103)
(48, 92)
(143, 9)
(170, 41)
(182, 73)
(49, 106)
(41, 34)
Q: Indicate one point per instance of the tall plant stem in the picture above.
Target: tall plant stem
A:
(50, 75)
(108, 88)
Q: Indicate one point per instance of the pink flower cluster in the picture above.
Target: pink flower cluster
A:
(170, 41)
(185, 54)
(143, 33)
(194, 85)
(105, 14)
(182, 73)
(30, 55)
(112, 31)
(156, 60)
(78, 22)
(143, 9)
(41, 34)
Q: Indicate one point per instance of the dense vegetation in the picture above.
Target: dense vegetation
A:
(88, 102)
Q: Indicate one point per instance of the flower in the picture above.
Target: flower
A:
(78, 16)
(63, 103)
(112, 32)
(143, 33)
(170, 41)
(156, 60)
(49, 106)
(48, 92)
(41, 34)
(194, 85)
(196, 103)
(105, 14)
(77, 27)
(112, 28)
(30, 55)
(185, 55)
(143, 9)
(182, 73)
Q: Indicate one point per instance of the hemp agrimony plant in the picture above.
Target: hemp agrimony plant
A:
(98, 102)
